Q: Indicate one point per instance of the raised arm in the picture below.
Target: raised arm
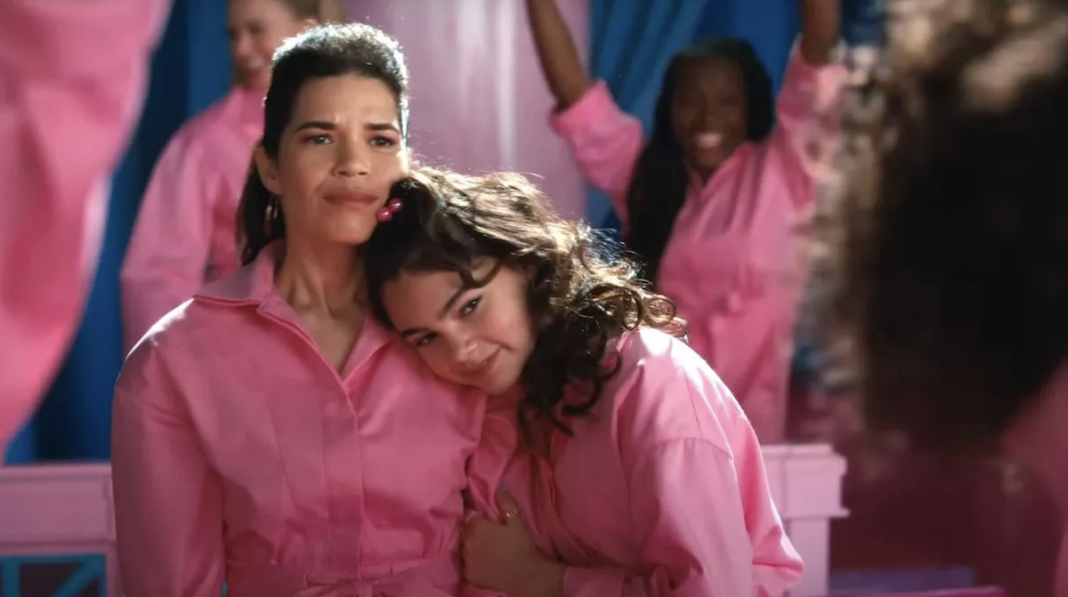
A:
(820, 30)
(807, 109)
(557, 53)
(605, 140)
(72, 78)
(169, 248)
(168, 500)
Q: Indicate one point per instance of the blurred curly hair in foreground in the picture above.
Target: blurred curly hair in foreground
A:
(941, 253)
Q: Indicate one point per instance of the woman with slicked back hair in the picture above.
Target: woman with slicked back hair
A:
(269, 434)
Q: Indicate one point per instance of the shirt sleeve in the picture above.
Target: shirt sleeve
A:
(171, 241)
(695, 537)
(605, 141)
(168, 499)
(72, 77)
(699, 495)
(806, 113)
(496, 447)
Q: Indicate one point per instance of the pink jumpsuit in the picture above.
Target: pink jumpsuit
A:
(661, 492)
(732, 264)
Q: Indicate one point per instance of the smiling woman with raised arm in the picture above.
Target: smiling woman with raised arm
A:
(711, 199)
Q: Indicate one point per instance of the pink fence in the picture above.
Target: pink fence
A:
(57, 531)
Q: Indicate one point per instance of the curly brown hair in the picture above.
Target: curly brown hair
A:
(582, 292)
(945, 243)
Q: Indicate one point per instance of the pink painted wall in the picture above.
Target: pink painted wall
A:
(479, 101)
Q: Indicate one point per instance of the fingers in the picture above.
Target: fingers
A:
(467, 534)
(472, 525)
(507, 506)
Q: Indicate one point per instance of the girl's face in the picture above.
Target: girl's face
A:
(709, 112)
(257, 28)
(338, 157)
(478, 337)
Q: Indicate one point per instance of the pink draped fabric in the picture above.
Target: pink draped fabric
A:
(478, 97)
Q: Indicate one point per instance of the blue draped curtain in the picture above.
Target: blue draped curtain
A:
(190, 70)
(634, 40)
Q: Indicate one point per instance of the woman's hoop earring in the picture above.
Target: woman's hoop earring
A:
(270, 216)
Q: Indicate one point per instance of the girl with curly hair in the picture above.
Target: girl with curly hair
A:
(629, 464)
(946, 243)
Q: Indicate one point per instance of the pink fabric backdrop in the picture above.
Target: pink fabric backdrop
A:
(479, 101)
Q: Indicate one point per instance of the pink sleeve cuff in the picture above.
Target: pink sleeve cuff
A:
(810, 88)
(593, 582)
(594, 104)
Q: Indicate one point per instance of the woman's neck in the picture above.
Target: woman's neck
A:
(1039, 440)
(323, 278)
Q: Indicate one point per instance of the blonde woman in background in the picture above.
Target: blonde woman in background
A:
(184, 235)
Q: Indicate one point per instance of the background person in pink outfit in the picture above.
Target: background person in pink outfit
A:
(948, 236)
(72, 77)
(267, 433)
(711, 199)
(637, 471)
(184, 235)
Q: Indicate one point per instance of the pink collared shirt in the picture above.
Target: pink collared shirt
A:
(186, 228)
(241, 454)
(661, 491)
(72, 78)
(732, 264)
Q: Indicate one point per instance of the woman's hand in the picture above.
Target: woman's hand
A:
(502, 556)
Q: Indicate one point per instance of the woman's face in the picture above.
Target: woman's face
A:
(709, 112)
(338, 157)
(257, 28)
(478, 337)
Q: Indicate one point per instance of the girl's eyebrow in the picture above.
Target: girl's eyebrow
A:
(452, 301)
(441, 314)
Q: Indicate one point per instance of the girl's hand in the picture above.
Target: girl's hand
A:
(502, 556)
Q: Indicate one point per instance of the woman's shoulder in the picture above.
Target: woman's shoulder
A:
(662, 390)
(199, 133)
(649, 349)
(218, 314)
(176, 332)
